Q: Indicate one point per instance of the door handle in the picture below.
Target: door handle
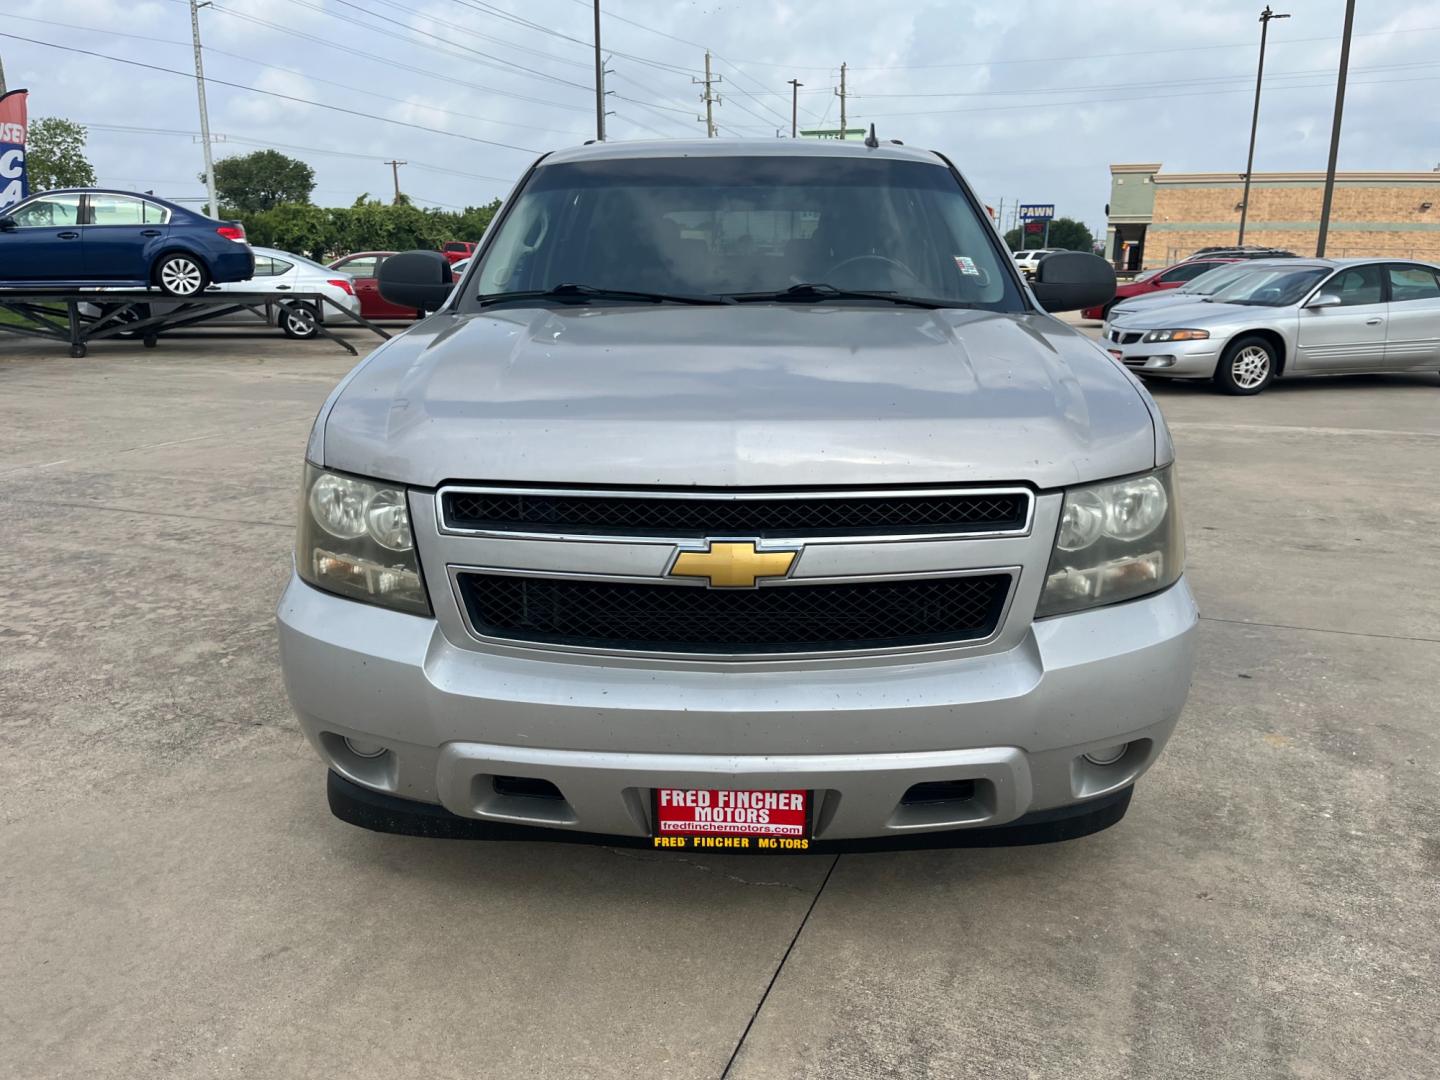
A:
(68, 235)
(150, 232)
(1374, 322)
(282, 286)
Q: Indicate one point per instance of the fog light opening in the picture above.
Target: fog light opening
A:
(1107, 755)
(364, 748)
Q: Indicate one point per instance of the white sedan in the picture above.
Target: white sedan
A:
(275, 272)
(281, 271)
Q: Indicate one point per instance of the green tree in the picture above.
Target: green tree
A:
(262, 180)
(1067, 234)
(55, 155)
(305, 230)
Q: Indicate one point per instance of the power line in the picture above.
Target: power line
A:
(518, 68)
(269, 93)
(490, 9)
(1128, 53)
(429, 74)
(1083, 87)
(1148, 97)
(247, 141)
(212, 51)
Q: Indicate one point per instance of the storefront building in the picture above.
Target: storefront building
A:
(1155, 218)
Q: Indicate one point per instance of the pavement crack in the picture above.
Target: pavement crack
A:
(701, 866)
(775, 975)
(154, 513)
(1319, 630)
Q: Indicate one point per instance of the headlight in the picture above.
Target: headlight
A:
(354, 540)
(1175, 335)
(1116, 541)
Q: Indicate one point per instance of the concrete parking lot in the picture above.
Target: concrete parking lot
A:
(176, 901)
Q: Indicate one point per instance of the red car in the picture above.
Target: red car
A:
(455, 250)
(363, 266)
(1171, 277)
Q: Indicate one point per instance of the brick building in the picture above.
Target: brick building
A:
(1156, 218)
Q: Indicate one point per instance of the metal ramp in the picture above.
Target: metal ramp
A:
(77, 317)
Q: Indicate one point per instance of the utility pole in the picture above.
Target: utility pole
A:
(841, 93)
(1265, 17)
(214, 207)
(795, 85)
(1335, 129)
(2, 75)
(710, 98)
(395, 174)
(599, 81)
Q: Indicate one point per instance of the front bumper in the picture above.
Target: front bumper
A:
(1185, 359)
(605, 732)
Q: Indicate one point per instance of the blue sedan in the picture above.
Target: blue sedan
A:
(77, 238)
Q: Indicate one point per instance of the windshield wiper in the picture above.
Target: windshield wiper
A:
(819, 290)
(570, 291)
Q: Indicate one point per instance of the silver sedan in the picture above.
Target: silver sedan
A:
(1342, 317)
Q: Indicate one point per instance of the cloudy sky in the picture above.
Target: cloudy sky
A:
(1032, 98)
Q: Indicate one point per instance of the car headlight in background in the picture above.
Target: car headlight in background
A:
(1116, 541)
(1175, 335)
(354, 540)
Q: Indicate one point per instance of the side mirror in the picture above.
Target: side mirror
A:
(1070, 280)
(416, 279)
(7, 224)
(1324, 300)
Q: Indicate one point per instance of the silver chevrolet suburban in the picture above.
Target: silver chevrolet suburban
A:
(741, 495)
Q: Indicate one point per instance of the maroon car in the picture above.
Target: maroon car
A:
(363, 266)
(1171, 277)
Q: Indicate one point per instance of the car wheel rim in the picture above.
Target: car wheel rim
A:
(180, 276)
(299, 322)
(1250, 367)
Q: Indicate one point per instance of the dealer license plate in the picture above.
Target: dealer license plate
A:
(701, 820)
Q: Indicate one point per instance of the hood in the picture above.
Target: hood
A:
(1169, 316)
(1146, 301)
(760, 396)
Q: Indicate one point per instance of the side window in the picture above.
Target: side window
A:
(49, 212)
(361, 268)
(156, 215)
(264, 266)
(1413, 283)
(281, 267)
(116, 210)
(1185, 272)
(1358, 286)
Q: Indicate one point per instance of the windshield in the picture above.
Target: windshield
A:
(728, 226)
(1275, 287)
(1214, 280)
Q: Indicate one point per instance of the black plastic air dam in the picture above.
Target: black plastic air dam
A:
(379, 812)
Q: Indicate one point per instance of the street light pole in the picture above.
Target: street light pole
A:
(1265, 17)
(795, 85)
(1335, 129)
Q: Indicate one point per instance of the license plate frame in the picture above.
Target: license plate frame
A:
(743, 837)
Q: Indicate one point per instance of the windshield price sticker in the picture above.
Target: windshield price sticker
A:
(731, 820)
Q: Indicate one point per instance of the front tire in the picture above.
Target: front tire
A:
(299, 321)
(181, 275)
(1247, 367)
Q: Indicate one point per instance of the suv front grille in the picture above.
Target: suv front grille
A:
(770, 619)
(629, 514)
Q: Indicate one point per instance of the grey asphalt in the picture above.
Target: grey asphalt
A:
(176, 901)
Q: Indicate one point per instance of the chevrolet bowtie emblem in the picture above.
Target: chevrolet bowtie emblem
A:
(729, 565)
